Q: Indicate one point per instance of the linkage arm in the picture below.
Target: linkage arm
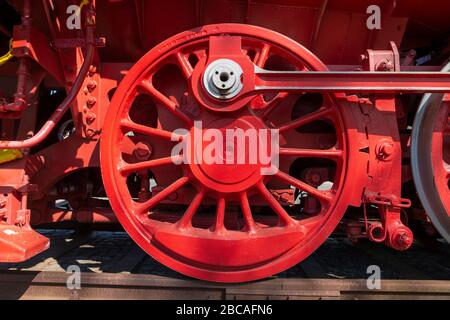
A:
(351, 82)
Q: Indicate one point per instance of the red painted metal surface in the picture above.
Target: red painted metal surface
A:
(218, 252)
(19, 244)
(342, 96)
(441, 153)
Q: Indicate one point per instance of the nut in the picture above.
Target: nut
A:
(90, 133)
(91, 101)
(143, 151)
(91, 85)
(384, 151)
(90, 118)
(92, 70)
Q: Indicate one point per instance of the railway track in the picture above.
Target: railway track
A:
(113, 267)
(52, 285)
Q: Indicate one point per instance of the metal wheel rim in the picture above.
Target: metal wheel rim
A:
(422, 161)
(135, 230)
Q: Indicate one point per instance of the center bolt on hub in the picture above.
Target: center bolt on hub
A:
(222, 79)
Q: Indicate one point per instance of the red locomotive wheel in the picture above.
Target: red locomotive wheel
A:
(224, 222)
(441, 154)
(430, 158)
(430, 155)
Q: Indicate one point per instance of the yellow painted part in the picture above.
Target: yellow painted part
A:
(7, 155)
(8, 56)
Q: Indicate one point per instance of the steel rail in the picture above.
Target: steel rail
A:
(53, 285)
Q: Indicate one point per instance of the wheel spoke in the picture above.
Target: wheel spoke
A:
(149, 131)
(220, 215)
(186, 220)
(447, 170)
(272, 104)
(310, 117)
(313, 153)
(184, 65)
(126, 168)
(166, 102)
(285, 218)
(250, 225)
(320, 195)
(263, 55)
(153, 201)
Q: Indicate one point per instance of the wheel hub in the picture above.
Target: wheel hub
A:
(222, 79)
(230, 162)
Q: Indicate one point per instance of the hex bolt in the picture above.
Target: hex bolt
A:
(385, 65)
(91, 101)
(90, 133)
(384, 150)
(389, 65)
(143, 151)
(387, 149)
(92, 70)
(90, 117)
(91, 85)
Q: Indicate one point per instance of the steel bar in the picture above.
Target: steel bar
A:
(352, 82)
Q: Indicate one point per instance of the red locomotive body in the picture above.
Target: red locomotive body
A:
(228, 138)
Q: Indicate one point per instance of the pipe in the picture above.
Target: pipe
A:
(20, 97)
(65, 105)
(8, 56)
(59, 112)
(322, 9)
(51, 27)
